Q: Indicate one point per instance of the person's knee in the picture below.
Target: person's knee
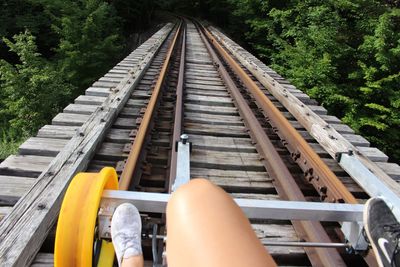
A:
(189, 196)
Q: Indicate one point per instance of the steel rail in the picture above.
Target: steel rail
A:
(318, 173)
(286, 186)
(134, 154)
(178, 114)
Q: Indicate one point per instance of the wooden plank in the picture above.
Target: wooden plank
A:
(111, 151)
(215, 110)
(210, 100)
(278, 232)
(215, 130)
(329, 137)
(222, 143)
(69, 119)
(192, 82)
(24, 229)
(205, 87)
(235, 180)
(114, 75)
(106, 84)
(194, 77)
(97, 91)
(356, 140)
(42, 146)
(374, 154)
(4, 211)
(392, 169)
(57, 131)
(226, 160)
(206, 93)
(318, 109)
(90, 100)
(213, 119)
(118, 80)
(118, 136)
(80, 109)
(43, 260)
(28, 166)
(12, 188)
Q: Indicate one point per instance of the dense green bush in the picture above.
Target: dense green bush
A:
(51, 50)
(32, 91)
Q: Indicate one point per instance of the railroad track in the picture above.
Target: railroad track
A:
(246, 136)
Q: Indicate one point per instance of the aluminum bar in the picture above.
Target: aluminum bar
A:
(178, 114)
(182, 163)
(253, 208)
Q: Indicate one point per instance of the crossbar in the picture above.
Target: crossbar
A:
(253, 208)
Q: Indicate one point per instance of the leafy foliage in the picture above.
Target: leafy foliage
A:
(89, 38)
(32, 91)
(51, 50)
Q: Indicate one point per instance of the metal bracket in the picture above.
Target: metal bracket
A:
(183, 162)
(353, 232)
(369, 181)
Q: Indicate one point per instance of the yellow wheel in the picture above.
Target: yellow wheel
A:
(77, 220)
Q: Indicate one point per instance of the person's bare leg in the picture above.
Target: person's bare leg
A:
(205, 227)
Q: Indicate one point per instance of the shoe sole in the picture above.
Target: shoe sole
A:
(367, 230)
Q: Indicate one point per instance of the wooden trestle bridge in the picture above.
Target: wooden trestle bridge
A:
(189, 103)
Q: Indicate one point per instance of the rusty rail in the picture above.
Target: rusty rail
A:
(316, 171)
(283, 179)
(178, 113)
(134, 154)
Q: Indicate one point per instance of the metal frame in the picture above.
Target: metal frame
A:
(176, 135)
(253, 208)
(369, 181)
(183, 162)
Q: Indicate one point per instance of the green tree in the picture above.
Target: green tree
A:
(90, 39)
(344, 53)
(32, 91)
(375, 112)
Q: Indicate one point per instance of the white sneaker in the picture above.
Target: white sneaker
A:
(126, 229)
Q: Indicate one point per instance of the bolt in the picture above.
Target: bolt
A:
(323, 189)
(184, 138)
